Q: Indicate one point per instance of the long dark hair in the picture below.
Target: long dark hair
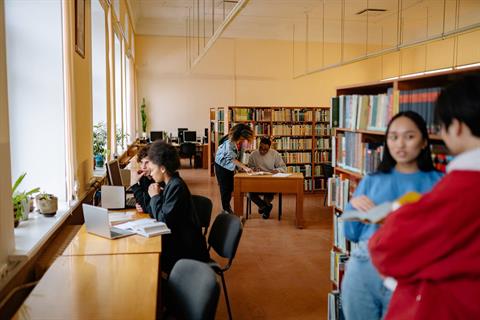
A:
(424, 159)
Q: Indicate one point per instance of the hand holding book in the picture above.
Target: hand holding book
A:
(378, 213)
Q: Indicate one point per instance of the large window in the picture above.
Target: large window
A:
(36, 94)
(99, 64)
(118, 94)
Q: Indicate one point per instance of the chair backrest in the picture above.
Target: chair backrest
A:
(203, 206)
(327, 170)
(193, 291)
(225, 235)
(187, 149)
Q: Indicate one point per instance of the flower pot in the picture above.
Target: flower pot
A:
(99, 161)
(47, 204)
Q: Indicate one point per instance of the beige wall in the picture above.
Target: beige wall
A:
(259, 72)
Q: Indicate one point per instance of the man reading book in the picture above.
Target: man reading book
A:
(265, 159)
(432, 247)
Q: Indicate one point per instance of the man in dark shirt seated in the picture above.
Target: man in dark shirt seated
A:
(141, 180)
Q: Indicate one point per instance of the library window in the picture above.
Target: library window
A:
(118, 95)
(99, 76)
(34, 48)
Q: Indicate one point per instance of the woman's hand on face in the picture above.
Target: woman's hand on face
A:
(362, 203)
(154, 189)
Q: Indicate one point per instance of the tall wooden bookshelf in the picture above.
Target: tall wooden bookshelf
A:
(357, 145)
(217, 129)
(302, 135)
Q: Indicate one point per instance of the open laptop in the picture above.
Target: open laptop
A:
(96, 222)
(116, 177)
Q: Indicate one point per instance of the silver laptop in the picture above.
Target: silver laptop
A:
(96, 222)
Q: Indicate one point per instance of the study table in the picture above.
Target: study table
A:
(98, 278)
(292, 184)
(119, 286)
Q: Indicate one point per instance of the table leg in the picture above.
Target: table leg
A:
(237, 199)
(299, 206)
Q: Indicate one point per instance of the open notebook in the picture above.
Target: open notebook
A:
(145, 227)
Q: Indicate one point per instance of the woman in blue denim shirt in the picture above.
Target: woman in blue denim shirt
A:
(406, 166)
(226, 161)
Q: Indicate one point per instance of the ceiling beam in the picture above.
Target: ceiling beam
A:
(228, 19)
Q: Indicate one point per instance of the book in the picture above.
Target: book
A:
(145, 227)
(378, 213)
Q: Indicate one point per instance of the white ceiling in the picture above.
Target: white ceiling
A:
(275, 19)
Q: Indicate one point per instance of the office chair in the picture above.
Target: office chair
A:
(249, 206)
(203, 206)
(193, 291)
(327, 173)
(224, 238)
(187, 150)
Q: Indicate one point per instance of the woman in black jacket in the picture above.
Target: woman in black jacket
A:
(174, 206)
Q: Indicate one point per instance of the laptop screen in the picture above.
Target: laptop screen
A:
(113, 173)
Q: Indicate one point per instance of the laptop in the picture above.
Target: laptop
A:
(97, 222)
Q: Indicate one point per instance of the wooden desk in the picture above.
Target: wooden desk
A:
(202, 150)
(85, 243)
(96, 287)
(292, 184)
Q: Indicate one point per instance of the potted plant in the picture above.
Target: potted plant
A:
(20, 201)
(47, 204)
(99, 144)
(143, 113)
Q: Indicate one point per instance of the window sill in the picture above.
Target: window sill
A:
(33, 233)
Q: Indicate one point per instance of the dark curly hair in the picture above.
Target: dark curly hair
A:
(142, 153)
(424, 159)
(164, 154)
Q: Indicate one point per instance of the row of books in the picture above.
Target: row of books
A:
(321, 156)
(296, 129)
(292, 115)
(350, 152)
(339, 191)
(319, 184)
(322, 115)
(339, 240)
(288, 143)
(421, 101)
(440, 157)
(323, 143)
(337, 266)
(322, 129)
(305, 169)
(297, 157)
(335, 311)
(221, 115)
(261, 128)
(367, 112)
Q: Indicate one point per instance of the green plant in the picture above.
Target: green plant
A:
(120, 137)
(143, 113)
(20, 198)
(99, 139)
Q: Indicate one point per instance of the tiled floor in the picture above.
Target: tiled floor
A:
(279, 272)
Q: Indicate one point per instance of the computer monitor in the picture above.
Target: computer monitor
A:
(156, 135)
(180, 134)
(113, 173)
(189, 136)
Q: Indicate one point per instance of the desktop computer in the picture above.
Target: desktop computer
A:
(180, 134)
(190, 136)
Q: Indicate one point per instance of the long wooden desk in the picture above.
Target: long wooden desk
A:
(98, 278)
(202, 150)
(121, 286)
(293, 184)
(85, 243)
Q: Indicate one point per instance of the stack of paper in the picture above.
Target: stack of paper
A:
(120, 217)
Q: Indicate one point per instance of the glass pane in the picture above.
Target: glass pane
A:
(355, 30)
(118, 93)
(333, 29)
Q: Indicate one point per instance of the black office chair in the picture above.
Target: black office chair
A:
(203, 206)
(224, 239)
(187, 150)
(327, 173)
(193, 291)
(249, 206)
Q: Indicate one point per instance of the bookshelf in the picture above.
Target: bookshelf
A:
(360, 115)
(217, 130)
(302, 135)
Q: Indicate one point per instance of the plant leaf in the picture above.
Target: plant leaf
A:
(18, 181)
